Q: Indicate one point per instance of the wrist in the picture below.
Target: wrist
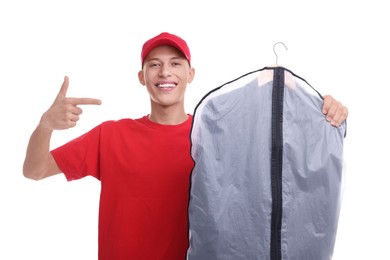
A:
(44, 125)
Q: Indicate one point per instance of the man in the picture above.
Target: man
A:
(143, 164)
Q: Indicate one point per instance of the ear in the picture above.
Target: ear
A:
(191, 75)
(141, 77)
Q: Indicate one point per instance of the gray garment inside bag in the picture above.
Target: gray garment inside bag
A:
(240, 208)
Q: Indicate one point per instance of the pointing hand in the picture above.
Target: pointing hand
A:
(65, 111)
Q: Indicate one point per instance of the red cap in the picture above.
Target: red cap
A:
(165, 39)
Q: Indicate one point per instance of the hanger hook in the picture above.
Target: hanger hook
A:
(276, 55)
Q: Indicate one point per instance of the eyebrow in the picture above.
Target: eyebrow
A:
(172, 58)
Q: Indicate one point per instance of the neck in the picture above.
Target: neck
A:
(168, 116)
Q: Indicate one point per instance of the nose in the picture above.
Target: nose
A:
(165, 70)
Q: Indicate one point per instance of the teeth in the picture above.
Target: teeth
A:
(166, 85)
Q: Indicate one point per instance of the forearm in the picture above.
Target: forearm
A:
(39, 162)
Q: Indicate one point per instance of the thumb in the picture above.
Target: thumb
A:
(64, 88)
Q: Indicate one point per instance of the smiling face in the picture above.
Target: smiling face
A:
(165, 73)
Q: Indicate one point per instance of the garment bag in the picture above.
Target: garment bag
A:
(268, 171)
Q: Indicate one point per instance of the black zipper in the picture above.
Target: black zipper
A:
(276, 163)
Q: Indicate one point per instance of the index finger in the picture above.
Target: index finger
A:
(84, 101)
(326, 104)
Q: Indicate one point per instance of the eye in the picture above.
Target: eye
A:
(176, 63)
(154, 64)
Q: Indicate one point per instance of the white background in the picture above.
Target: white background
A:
(339, 47)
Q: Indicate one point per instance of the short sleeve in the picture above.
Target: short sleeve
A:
(80, 157)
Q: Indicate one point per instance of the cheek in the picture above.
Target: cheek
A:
(190, 77)
(146, 79)
(185, 76)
